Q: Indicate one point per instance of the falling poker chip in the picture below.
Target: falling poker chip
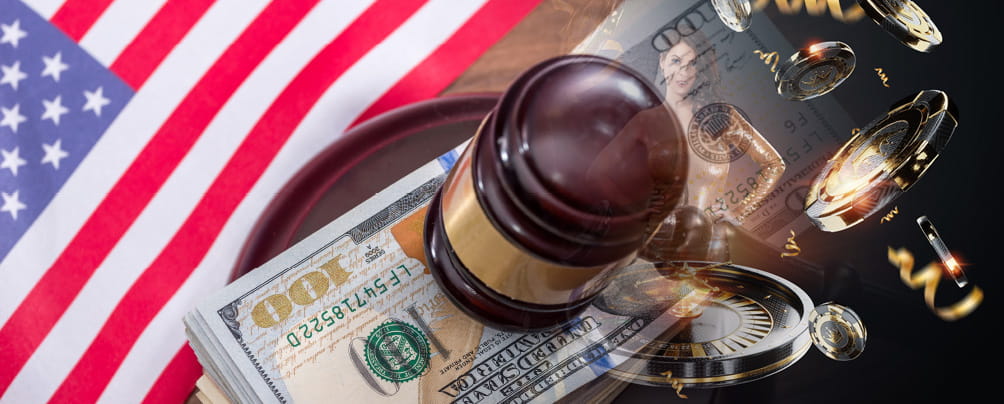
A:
(882, 161)
(837, 331)
(736, 14)
(947, 259)
(814, 71)
(905, 21)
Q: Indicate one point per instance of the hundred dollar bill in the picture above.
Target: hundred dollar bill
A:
(805, 134)
(351, 313)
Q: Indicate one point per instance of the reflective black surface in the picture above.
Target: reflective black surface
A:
(912, 356)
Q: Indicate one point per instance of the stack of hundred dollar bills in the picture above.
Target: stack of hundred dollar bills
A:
(351, 312)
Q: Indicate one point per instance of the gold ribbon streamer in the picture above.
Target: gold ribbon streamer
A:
(674, 383)
(928, 278)
(853, 13)
(768, 58)
(888, 216)
(882, 76)
(791, 245)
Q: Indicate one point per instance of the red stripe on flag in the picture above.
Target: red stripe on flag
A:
(76, 17)
(54, 292)
(481, 31)
(450, 59)
(192, 241)
(175, 383)
(161, 34)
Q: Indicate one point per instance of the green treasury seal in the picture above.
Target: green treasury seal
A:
(397, 352)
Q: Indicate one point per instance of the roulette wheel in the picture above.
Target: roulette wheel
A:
(749, 325)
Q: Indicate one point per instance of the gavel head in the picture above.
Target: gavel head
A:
(565, 181)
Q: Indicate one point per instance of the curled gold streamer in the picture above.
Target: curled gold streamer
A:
(768, 58)
(791, 245)
(852, 13)
(882, 76)
(674, 383)
(929, 278)
(855, 131)
(888, 216)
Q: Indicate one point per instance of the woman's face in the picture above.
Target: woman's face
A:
(679, 65)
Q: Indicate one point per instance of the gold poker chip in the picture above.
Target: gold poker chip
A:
(814, 71)
(837, 331)
(881, 161)
(736, 14)
(905, 21)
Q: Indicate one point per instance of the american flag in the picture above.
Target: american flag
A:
(141, 139)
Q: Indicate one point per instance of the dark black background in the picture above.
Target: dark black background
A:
(911, 355)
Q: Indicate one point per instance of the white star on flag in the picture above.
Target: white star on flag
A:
(95, 100)
(54, 109)
(12, 74)
(12, 117)
(11, 204)
(53, 153)
(11, 160)
(54, 66)
(12, 33)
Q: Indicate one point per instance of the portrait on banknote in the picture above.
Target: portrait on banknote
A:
(752, 153)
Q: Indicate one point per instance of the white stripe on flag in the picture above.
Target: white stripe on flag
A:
(434, 23)
(188, 183)
(58, 353)
(363, 83)
(39, 247)
(45, 8)
(162, 339)
(116, 27)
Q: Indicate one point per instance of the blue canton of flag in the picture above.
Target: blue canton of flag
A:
(55, 103)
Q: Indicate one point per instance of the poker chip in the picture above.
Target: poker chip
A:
(882, 161)
(735, 14)
(837, 331)
(814, 71)
(905, 21)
